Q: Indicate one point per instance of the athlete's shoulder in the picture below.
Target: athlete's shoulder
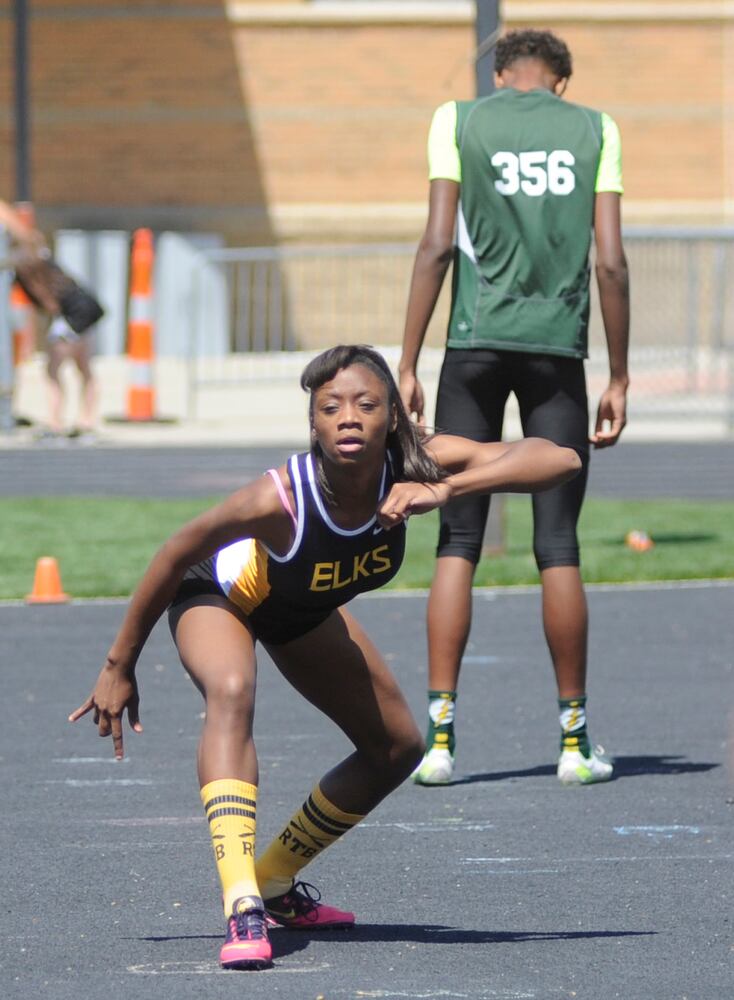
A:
(471, 115)
(478, 103)
(584, 110)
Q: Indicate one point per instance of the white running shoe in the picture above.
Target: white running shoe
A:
(436, 768)
(575, 769)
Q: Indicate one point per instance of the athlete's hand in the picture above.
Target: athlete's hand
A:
(611, 416)
(411, 393)
(114, 692)
(405, 499)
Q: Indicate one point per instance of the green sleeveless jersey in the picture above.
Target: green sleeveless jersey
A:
(529, 164)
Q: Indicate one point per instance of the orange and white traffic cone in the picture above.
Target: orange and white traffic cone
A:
(22, 323)
(22, 313)
(47, 583)
(140, 393)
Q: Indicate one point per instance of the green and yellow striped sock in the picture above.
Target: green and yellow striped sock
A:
(441, 714)
(574, 735)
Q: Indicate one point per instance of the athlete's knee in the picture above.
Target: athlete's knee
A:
(461, 539)
(464, 545)
(556, 547)
(406, 753)
(230, 692)
(472, 553)
(397, 755)
(558, 556)
(555, 544)
(412, 752)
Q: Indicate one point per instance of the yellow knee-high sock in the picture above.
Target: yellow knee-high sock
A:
(316, 825)
(230, 807)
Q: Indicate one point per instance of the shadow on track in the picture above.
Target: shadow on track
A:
(443, 934)
(286, 942)
(624, 767)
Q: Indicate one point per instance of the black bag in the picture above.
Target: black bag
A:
(51, 288)
(79, 308)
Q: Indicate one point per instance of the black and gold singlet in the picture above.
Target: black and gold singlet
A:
(325, 567)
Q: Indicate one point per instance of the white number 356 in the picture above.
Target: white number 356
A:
(535, 172)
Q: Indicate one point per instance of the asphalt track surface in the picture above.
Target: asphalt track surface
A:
(632, 470)
(502, 885)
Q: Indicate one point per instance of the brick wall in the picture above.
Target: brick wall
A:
(138, 116)
(266, 121)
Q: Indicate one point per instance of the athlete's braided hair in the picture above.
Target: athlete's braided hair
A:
(412, 463)
(534, 44)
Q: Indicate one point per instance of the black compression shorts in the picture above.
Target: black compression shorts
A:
(551, 393)
(200, 579)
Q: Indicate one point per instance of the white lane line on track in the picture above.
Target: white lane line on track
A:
(656, 832)
(152, 821)
(431, 994)
(491, 593)
(488, 593)
(597, 860)
(434, 826)
(214, 969)
(126, 845)
(90, 760)
(89, 782)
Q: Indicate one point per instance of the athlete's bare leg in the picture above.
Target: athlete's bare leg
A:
(449, 620)
(565, 621)
(82, 350)
(78, 350)
(217, 649)
(224, 670)
(339, 670)
(58, 351)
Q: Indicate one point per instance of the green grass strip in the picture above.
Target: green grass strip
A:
(104, 544)
(693, 540)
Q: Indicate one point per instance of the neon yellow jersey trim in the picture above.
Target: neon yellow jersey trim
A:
(609, 174)
(444, 161)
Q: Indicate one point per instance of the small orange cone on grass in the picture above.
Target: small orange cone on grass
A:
(638, 541)
(47, 583)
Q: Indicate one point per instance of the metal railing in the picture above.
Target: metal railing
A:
(286, 303)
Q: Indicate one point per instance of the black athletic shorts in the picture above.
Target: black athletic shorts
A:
(551, 392)
(274, 629)
(198, 580)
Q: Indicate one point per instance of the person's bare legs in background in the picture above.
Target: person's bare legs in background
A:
(63, 345)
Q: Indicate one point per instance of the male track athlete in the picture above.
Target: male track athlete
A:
(522, 178)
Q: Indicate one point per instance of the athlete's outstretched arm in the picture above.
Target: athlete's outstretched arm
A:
(252, 512)
(432, 259)
(14, 222)
(526, 466)
(613, 282)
